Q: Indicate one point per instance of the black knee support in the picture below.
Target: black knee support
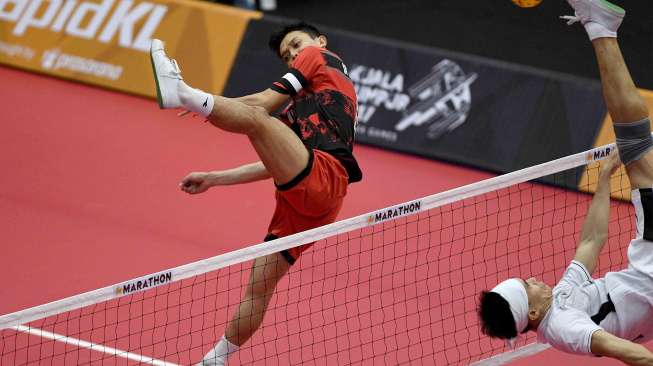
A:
(633, 140)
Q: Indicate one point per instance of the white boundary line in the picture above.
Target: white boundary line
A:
(507, 357)
(358, 222)
(92, 346)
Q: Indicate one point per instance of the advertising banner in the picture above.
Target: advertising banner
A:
(106, 42)
(478, 112)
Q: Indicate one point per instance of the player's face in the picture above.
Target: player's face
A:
(294, 42)
(537, 291)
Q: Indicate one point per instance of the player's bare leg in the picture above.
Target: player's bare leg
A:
(280, 150)
(624, 103)
(266, 273)
(626, 106)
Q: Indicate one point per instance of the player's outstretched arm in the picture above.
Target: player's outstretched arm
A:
(199, 182)
(595, 228)
(606, 344)
(268, 99)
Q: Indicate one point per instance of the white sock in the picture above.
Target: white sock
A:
(219, 354)
(195, 100)
(596, 30)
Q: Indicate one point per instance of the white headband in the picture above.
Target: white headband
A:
(514, 292)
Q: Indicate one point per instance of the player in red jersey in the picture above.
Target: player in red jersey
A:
(307, 152)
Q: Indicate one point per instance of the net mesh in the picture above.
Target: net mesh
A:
(403, 291)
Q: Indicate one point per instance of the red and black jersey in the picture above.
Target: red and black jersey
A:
(323, 111)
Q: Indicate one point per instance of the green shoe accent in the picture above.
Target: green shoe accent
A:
(613, 6)
(156, 80)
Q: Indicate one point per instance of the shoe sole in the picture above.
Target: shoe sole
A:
(159, 99)
(612, 7)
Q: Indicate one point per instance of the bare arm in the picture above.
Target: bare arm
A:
(199, 182)
(606, 344)
(242, 174)
(595, 228)
(268, 99)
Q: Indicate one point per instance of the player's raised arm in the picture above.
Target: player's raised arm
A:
(303, 66)
(269, 99)
(595, 227)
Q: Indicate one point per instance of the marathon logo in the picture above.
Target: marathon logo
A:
(144, 284)
(83, 19)
(599, 154)
(395, 212)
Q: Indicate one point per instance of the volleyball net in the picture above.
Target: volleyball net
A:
(396, 286)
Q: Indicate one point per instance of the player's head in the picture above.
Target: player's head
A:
(514, 306)
(293, 38)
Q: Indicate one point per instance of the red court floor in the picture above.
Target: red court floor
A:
(89, 195)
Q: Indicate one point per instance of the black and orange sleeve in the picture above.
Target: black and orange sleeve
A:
(303, 69)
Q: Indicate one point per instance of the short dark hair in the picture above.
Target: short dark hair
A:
(277, 37)
(496, 317)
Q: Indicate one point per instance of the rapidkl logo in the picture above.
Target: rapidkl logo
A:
(83, 19)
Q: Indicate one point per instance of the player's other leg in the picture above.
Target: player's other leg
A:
(626, 106)
(266, 273)
(280, 150)
(629, 113)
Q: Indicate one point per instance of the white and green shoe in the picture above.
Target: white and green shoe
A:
(167, 76)
(600, 17)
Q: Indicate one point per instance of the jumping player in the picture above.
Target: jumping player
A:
(307, 152)
(608, 316)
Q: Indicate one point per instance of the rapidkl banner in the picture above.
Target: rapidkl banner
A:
(448, 106)
(106, 42)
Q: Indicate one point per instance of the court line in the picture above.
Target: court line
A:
(92, 346)
(507, 357)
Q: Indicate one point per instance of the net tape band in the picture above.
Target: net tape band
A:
(347, 225)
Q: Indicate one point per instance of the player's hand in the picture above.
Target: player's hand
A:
(195, 183)
(610, 164)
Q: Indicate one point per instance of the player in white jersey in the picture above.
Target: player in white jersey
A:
(611, 315)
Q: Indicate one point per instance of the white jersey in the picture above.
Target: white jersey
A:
(568, 325)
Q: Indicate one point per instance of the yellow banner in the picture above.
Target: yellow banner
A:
(606, 136)
(106, 42)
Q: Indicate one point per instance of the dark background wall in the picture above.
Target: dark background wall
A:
(486, 114)
(491, 28)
